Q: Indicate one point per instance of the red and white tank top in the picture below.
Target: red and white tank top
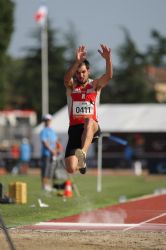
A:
(82, 103)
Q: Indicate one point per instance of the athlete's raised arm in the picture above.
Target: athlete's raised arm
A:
(102, 81)
(80, 57)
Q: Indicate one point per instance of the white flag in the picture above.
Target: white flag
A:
(41, 15)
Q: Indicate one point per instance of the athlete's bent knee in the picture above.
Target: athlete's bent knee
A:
(91, 124)
(70, 165)
(70, 170)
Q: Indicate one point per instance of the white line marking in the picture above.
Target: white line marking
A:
(144, 222)
(96, 226)
(75, 224)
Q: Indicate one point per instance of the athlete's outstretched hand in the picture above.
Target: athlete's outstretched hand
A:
(81, 54)
(105, 52)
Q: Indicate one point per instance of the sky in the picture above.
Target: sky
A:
(95, 22)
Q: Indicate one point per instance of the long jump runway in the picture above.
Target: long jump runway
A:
(147, 213)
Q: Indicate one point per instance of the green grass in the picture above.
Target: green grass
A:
(112, 188)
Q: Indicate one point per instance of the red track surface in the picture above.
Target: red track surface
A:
(147, 213)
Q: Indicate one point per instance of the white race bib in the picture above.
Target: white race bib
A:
(83, 108)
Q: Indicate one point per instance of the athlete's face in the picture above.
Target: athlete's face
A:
(82, 74)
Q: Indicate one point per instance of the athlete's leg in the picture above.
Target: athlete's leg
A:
(71, 163)
(74, 142)
(76, 160)
(90, 128)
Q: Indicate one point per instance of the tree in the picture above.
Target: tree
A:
(6, 29)
(130, 82)
(156, 53)
(28, 83)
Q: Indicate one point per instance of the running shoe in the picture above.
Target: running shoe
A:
(83, 170)
(81, 156)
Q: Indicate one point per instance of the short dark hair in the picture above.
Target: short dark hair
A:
(86, 63)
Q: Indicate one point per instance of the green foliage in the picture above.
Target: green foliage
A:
(6, 29)
(130, 84)
(28, 82)
(156, 53)
(112, 188)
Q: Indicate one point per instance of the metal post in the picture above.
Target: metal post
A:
(44, 56)
(99, 161)
(99, 164)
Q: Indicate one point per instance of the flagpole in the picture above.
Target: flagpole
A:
(41, 17)
(44, 68)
